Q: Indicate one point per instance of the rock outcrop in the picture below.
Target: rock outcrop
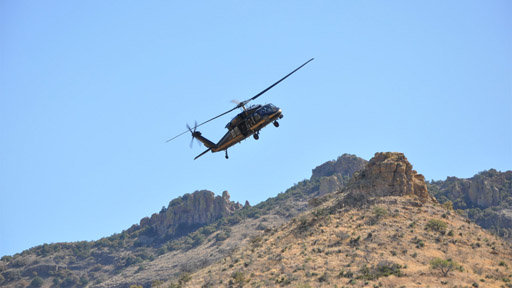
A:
(387, 174)
(189, 212)
(329, 184)
(333, 175)
(344, 166)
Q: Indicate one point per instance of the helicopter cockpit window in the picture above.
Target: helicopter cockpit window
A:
(267, 109)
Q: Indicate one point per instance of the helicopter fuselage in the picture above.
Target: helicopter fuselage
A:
(246, 123)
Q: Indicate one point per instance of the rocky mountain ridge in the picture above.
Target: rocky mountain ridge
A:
(200, 229)
(485, 198)
(486, 189)
(163, 245)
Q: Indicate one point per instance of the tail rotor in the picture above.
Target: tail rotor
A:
(193, 132)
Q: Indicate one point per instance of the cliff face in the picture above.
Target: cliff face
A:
(187, 213)
(333, 175)
(387, 174)
(485, 198)
(486, 189)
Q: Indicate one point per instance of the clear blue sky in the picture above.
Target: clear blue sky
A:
(90, 91)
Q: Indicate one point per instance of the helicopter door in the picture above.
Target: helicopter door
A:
(243, 128)
(234, 132)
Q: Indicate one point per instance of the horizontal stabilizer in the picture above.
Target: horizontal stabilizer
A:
(202, 153)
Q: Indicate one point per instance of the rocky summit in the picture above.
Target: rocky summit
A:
(388, 174)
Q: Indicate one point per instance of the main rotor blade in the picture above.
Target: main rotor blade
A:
(272, 86)
(176, 136)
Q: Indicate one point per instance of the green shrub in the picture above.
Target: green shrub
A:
(354, 242)
(37, 282)
(448, 205)
(84, 280)
(221, 236)
(324, 277)
(184, 278)
(436, 225)
(238, 277)
(347, 274)
(379, 212)
(445, 266)
(383, 269)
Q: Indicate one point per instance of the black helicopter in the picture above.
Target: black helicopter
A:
(248, 122)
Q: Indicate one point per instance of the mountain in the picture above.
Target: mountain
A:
(485, 198)
(167, 244)
(381, 230)
(366, 210)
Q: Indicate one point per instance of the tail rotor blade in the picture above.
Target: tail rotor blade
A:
(191, 132)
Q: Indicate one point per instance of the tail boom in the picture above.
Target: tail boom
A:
(203, 140)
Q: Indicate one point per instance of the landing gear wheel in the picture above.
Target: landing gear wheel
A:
(256, 136)
(227, 157)
(276, 123)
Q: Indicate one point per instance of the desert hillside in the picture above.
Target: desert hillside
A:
(381, 230)
(353, 223)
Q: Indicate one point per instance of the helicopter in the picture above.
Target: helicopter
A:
(249, 122)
